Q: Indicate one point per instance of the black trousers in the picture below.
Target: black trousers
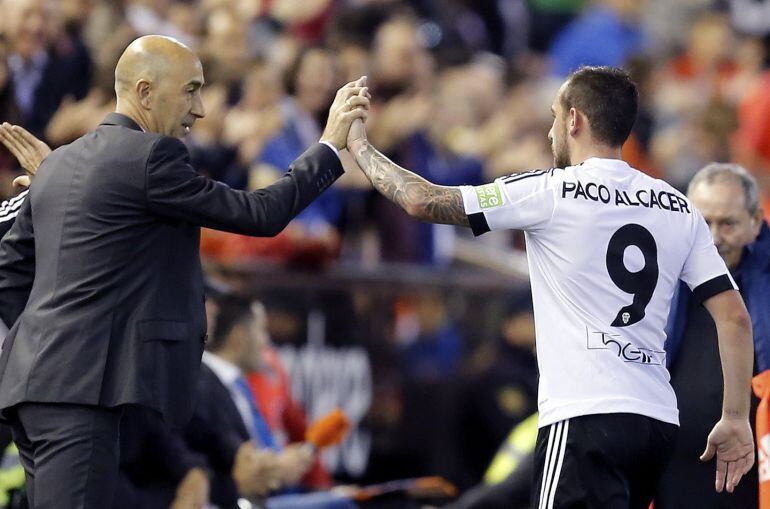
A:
(70, 453)
(603, 461)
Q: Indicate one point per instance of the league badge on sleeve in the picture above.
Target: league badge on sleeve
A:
(489, 195)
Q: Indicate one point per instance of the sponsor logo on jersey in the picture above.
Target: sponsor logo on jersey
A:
(622, 348)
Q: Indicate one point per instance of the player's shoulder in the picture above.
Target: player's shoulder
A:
(531, 176)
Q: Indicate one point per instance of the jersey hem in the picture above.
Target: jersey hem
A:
(629, 406)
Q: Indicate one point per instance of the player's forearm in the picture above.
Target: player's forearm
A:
(736, 348)
(415, 195)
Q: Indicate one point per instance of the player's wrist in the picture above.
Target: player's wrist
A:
(731, 414)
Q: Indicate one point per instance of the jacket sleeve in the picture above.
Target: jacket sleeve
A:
(176, 191)
(17, 265)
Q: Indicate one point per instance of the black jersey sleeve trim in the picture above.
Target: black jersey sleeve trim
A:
(712, 287)
(478, 223)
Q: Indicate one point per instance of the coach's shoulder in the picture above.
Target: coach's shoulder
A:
(165, 147)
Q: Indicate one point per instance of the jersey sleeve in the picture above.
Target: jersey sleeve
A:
(522, 201)
(704, 270)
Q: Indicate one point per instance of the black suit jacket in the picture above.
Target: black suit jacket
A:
(100, 274)
(216, 431)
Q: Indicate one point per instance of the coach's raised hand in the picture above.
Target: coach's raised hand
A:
(350, 103)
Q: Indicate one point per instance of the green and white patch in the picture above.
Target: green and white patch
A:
(489, 195)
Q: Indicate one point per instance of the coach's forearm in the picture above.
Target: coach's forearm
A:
(416, 196)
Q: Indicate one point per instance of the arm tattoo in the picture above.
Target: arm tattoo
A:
(418, 197)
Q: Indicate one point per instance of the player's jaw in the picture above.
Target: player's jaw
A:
(560, 150)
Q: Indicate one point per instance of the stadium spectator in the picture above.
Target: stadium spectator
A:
(229, 429)
(501, 389)
(728, 198)
(46, 64)
(607, 33)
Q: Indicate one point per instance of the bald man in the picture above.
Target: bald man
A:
(100, 276)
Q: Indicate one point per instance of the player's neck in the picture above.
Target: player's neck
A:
(578, 154)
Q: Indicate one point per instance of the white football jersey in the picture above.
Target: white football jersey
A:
(606, 247)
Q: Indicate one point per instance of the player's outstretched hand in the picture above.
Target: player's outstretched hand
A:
(733, 443)
(350, 103)
(357, 132)
(26, 148)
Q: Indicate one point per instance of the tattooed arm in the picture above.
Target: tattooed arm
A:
(418, 197)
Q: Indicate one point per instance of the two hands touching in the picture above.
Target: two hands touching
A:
(349, 111)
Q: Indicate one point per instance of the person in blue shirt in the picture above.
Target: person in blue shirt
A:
(728, 197)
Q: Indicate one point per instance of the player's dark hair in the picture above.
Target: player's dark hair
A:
(608, 97)
(233, 311)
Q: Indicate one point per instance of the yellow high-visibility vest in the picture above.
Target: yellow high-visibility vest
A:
(520, 442)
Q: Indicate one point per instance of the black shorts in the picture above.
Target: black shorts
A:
(603, 461)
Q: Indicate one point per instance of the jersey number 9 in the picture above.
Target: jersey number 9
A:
(640, 284)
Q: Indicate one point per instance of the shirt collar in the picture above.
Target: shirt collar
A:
(38, 61)
(607, 164)
(226, 371)
(115, 118)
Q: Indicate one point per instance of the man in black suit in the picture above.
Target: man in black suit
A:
(228, 426)
(100, 275)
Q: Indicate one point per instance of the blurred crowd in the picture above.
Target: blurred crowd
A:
(461, 94)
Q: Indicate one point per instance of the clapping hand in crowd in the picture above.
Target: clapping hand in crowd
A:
(256, 472)
(294, 461)
(29, 150)
(73, 119)
(193, 491)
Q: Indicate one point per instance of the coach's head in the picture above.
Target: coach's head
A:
(728, 197)
(593, 114)
(158, 84)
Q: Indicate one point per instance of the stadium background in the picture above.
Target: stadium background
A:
(405, 325)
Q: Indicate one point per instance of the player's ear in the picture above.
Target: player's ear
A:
(574, 121)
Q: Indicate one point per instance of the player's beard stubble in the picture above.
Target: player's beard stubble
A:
(560, 150)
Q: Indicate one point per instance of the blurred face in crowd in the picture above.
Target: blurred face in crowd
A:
(227, 45)
(27, 25)
(262, 88)
(723, 205)
(256, 338)
(711, 40)
(519, 329)
(315, 80)
(396, 53)
(558, 133)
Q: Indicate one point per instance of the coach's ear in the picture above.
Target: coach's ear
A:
(143, 92)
